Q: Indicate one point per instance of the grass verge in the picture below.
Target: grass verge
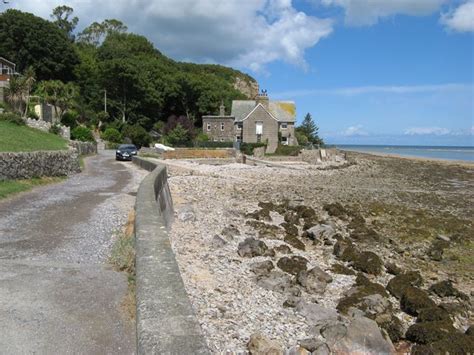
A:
(14, 138)
(123, 259)
(11, 187)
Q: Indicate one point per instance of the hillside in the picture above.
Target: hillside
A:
(14, 138)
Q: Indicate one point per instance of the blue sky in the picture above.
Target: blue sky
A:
(369, 71)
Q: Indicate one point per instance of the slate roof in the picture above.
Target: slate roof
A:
(283, 111)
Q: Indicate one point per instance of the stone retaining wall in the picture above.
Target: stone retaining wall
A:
(84, 148)
(65, 131)
(318, 155)
(26, 165)
(197, 153)
(166, 323)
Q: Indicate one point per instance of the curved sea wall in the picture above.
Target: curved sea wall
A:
(166, 323)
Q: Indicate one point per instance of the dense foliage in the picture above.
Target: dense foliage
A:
(143, 87)
(307, 132)
(81, 133)
(247, 148)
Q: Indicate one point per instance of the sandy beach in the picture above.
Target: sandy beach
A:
(414, 214)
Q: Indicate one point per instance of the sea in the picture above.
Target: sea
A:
(431, 152)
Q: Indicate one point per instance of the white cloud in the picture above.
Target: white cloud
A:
(353, 131)
(423, 131)
(374, 89)
(460, 19)
(368, 12)
(248, 34)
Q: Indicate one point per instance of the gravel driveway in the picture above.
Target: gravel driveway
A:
(57, 292)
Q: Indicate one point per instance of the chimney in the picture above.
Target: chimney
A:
(262, 98)
(222, 109)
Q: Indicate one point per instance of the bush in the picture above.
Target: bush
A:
(301, 138)
(288, 150)
(178, 136)
(202, 137)
(247, 148)
(81, 133)
(55, 129)
(13, 118)
(137, 135)
(69, 119)
(112, 135)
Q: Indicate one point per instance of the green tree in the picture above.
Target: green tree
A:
(28, 81)
(178, 136)
(16, 94)
(30, 41)
(62, 17)
(309, 129)
(112, 135)
(61, 96)
(137, 134)
(96, 33)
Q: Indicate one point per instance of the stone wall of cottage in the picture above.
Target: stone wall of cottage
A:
(219, 129)
(270, 129)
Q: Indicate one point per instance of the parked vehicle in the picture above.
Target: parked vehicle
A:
(125, 152)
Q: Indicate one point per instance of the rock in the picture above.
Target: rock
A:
(322, 231)
(433, 314)
(305, 212)
(454, 343)
(291, 301)
(446, 289)
(335, 210)
(283, 249)
(444, 238)
(310, 344)
(291, 217)
(293, 264)
(186, 214)
(317, 315)
(251, 248)
(397, 285)
(340, 247)
(294, 242)
(414, 300)
(376, 307)
(368, 262)
(261, 345)
(217, 242)
(262, 214)
(342, 269)
(429, 332)
(297, 350)
(276, 281)
(230, 232)
(435, 252)
(262, 268)
(314, 280)
(470, 331)
(322, 349)
(393, 268)
(290, 228)
(363, 336)
(265, 230)
(394, 328)
(333, 332)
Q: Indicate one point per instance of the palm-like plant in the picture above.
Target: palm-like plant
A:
(15, 93)
(28, 81)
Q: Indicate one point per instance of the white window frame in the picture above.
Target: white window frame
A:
(257, 125)
(284, 126)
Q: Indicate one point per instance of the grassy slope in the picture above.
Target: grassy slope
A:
(10, 187)
(14, 138)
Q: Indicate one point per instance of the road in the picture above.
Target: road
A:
(58, 294)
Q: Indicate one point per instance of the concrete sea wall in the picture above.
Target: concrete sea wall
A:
(166, 323)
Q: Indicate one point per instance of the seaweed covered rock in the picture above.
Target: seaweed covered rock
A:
(335, 210)
(314, 280)
(393, 268)
(293, 264)
(446, 289)
(470, 331)
(262, 268)
(252, 247)
(394, 328)
(342, 270)
(294, 241)
(263, 214)
(397, 285)
(279, 282)
(433, 314)
(265, 230)
(320, 232)
(260, 344)
(290, 228)
(291, 217)
(368, 262)
(429, 332)
(282, 249)
(454, 343)
(355, 297)
(341, 246)
(414, 300)
(436, 251)
(305, 212)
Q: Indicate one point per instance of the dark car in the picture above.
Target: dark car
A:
(125, 152)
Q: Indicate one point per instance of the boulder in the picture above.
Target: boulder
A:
(429, 332)
(217, 242)
(317, 315)
(283, 249)
(414, 300)
(368, 262)
(311, 344)
(262, 268)
(252, 247)
(294, 241)
(314, 280)
(293, 264)
(319, 232)
(454, 343)
(297, 350)
(446, 289)
(394, 328)
(230, 232)
(362, 336)
(393, 268)
(433, 314)
(262, 345)
(397, 285)
(186, 214)
(277, 281)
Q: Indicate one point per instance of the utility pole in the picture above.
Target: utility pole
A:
(105, 101)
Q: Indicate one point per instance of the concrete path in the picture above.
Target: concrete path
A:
(58, 295)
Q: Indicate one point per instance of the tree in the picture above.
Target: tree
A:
(96, 33)
(309, 129)
(28, 81)
(15, 94)
(30, 41)
(61, 16)
(61, 96)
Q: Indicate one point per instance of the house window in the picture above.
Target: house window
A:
(222, 139)
(284, 126)
(239, 126)
(208, 126)
(222, 126)
(258, 128)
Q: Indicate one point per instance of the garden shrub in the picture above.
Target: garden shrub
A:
(112, 135)
(247, 148)
(13, 118)
(82, 133)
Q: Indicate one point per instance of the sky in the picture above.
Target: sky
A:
(368, 71)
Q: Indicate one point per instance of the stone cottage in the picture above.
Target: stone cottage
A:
(253, 121)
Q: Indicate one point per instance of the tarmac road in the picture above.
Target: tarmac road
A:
(58, 295)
